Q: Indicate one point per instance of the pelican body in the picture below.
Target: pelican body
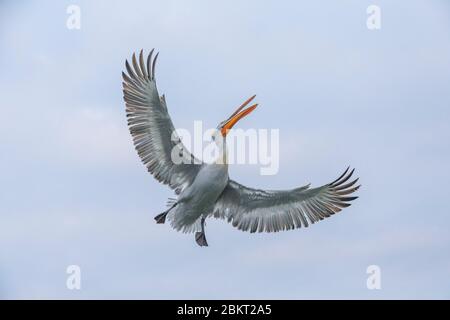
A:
(198, 199)
(205, 190)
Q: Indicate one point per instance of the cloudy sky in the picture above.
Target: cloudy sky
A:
(73, 191)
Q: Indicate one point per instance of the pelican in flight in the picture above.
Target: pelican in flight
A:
(204, 190)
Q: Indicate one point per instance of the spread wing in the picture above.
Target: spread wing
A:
(153, 133)
(271, 211)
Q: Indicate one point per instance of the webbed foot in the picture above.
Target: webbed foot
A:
(161, 218)
(200, 238)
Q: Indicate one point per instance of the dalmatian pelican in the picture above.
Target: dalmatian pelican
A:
(204, 190)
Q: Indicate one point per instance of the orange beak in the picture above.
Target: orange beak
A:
(238, 115)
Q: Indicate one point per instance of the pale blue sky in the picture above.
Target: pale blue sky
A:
(73, 190)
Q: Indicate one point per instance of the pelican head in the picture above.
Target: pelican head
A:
(225, 126)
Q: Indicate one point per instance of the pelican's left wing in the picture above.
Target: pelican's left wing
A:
(154, 136)
(271, 211)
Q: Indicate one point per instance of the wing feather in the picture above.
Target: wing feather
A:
(151, 126)
(257, 210)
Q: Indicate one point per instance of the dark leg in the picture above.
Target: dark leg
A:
(200, 237)
(161, 218)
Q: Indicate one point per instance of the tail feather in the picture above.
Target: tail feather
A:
(178, 222)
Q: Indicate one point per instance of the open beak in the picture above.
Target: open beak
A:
(238, 115)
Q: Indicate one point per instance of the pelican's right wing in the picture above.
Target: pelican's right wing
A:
(152, 129)
(271, 211)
